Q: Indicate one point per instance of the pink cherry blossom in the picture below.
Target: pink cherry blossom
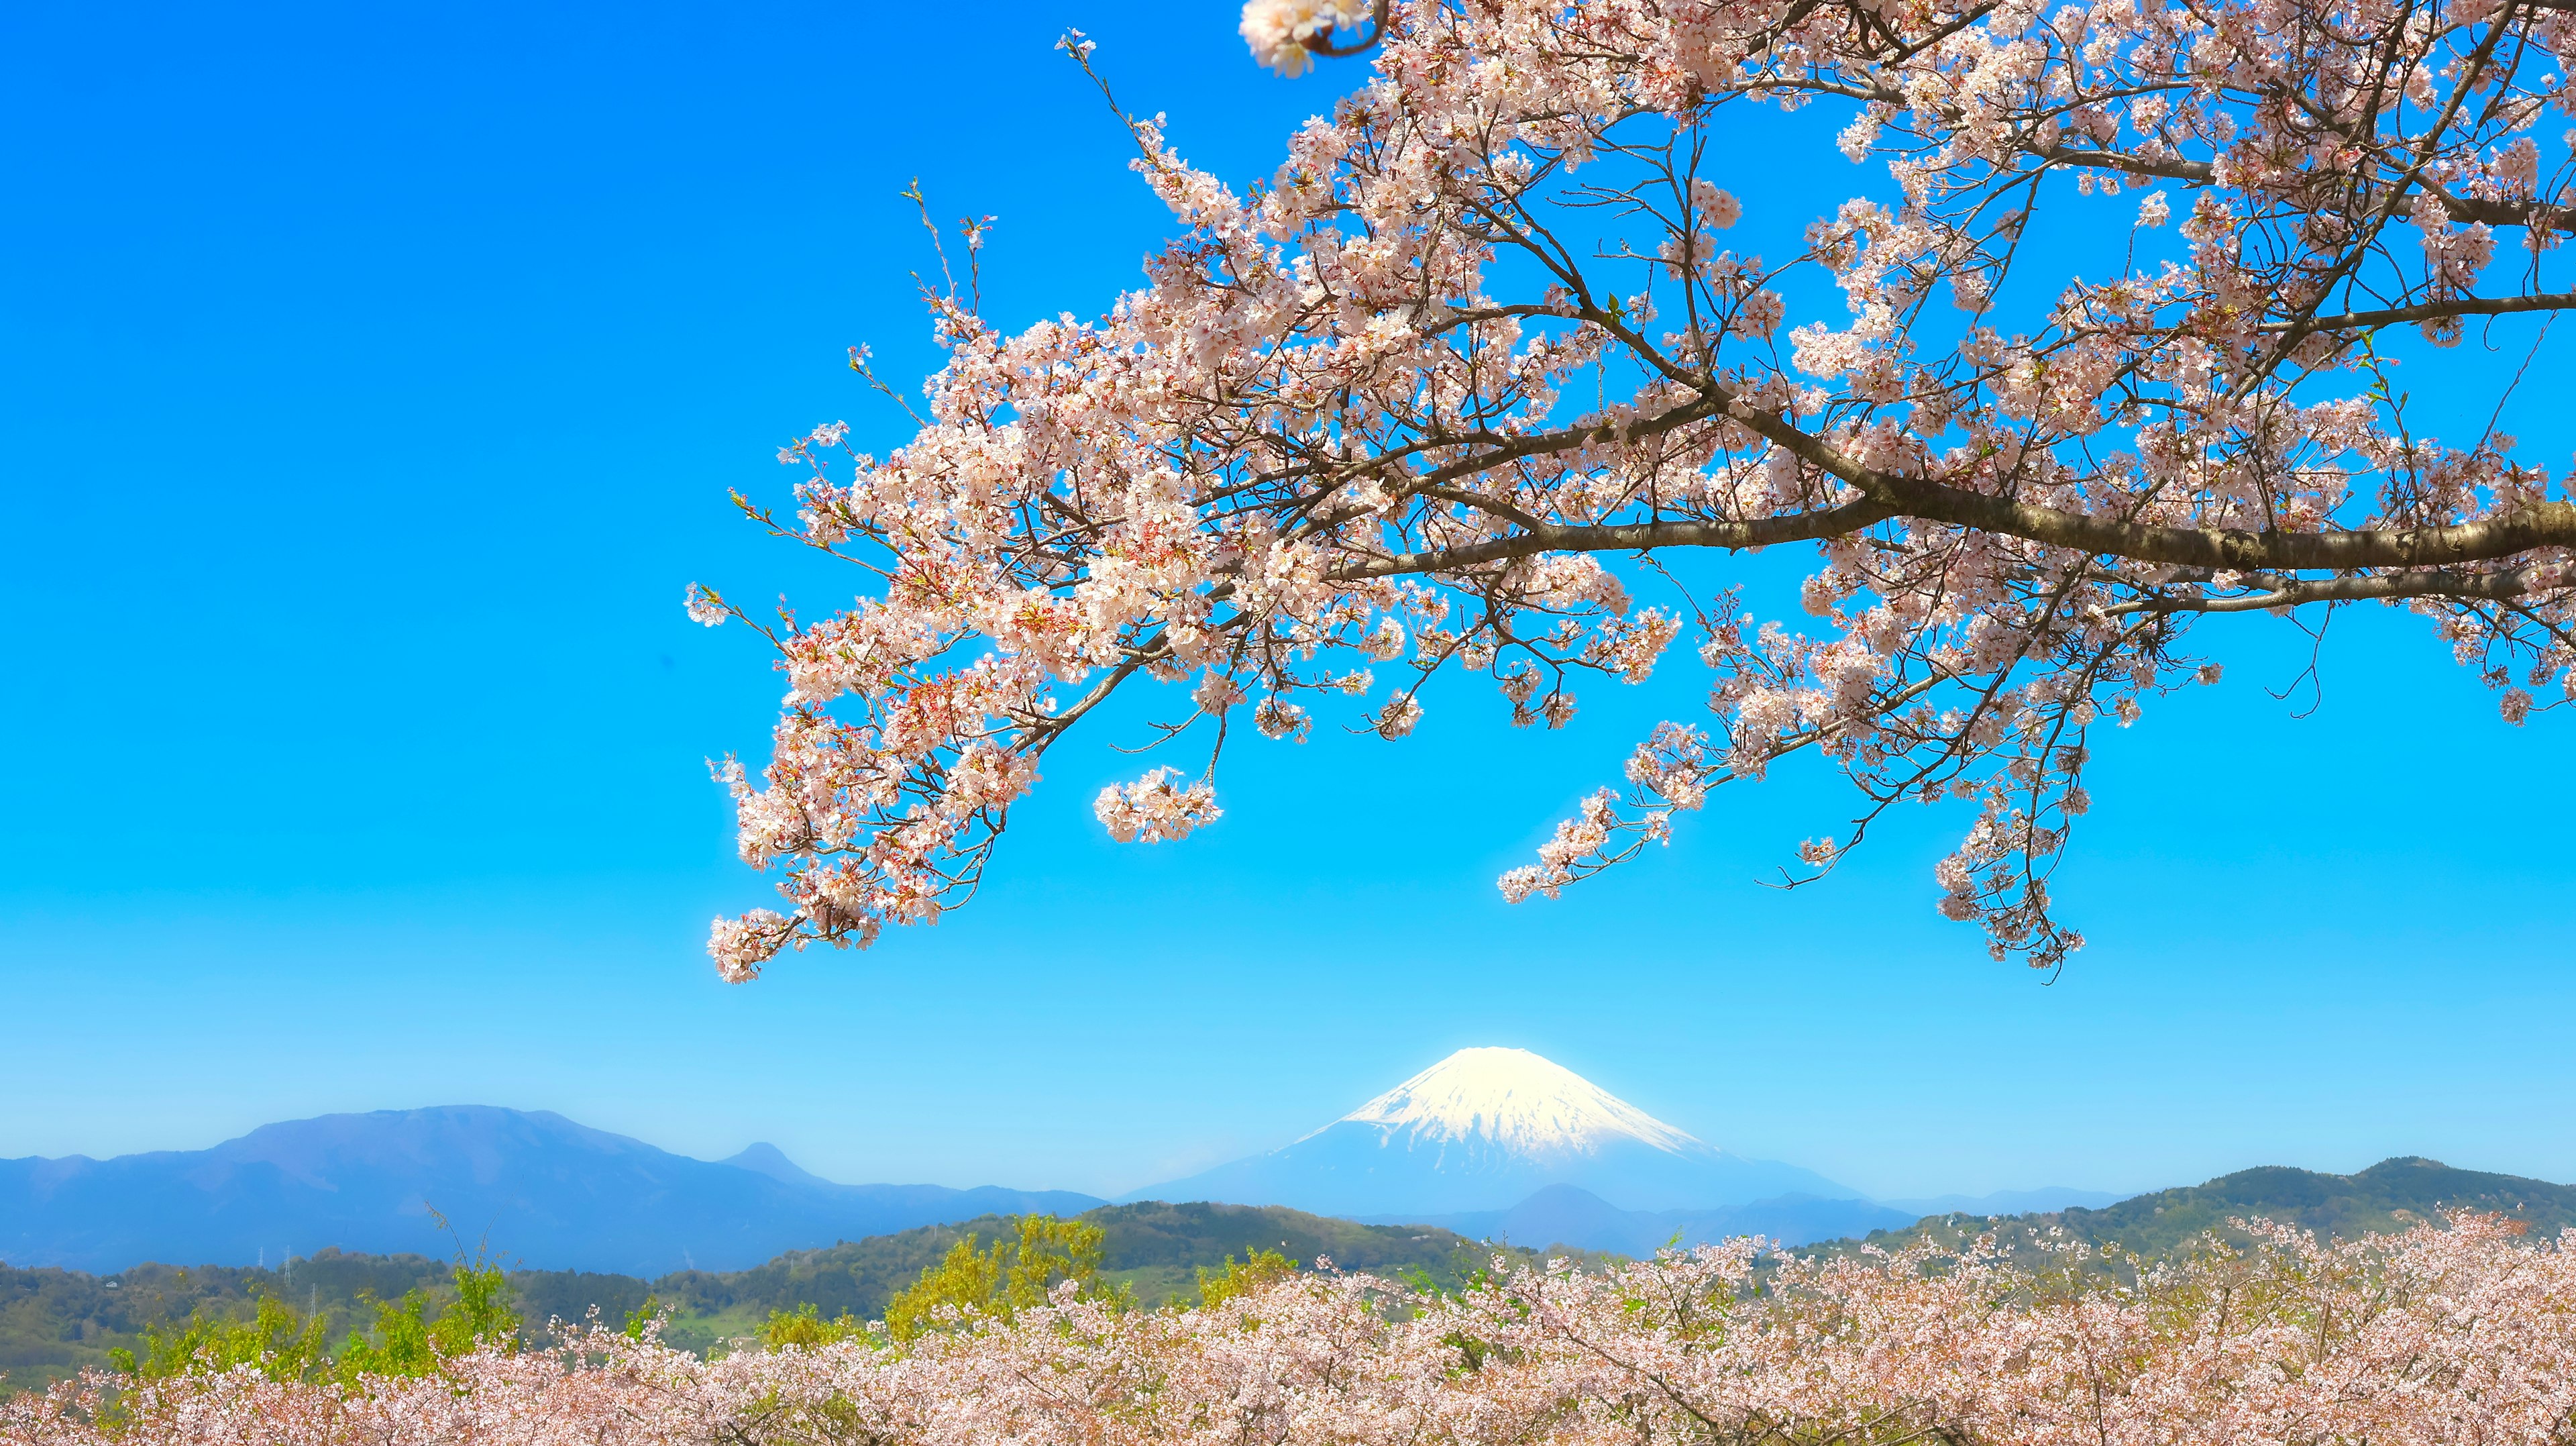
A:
(703, 606)
(1154, 809)
(1452, 388)
(2458, 1333)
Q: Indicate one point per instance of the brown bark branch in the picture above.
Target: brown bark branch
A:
(2510, 213)
(1631, 537)
(2132, 164)
(1887, 495)
(2441, 582)
(2551, 524)
(2427, 310)
(2535, 214)
(2548, 524)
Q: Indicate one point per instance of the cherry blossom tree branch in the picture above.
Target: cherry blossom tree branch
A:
(2435, 583)
(2428, 310)
(1631, 537)
(1441, 394)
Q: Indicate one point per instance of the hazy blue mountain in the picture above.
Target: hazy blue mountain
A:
(1483, 1130)
(538, 1188)
(1569, 1215)
(764, 1158)
(2009, 1202)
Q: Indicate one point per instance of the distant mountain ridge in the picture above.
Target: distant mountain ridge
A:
(1496, 1143)
(541, 1188)
(2391, 1195)
(1483, 1130)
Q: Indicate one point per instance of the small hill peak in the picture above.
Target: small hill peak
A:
(764, 1158)
(1521, 1101)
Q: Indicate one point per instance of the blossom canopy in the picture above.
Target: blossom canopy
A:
(2457, 1336)
(1457, 388)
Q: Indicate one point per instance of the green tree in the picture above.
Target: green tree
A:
(277, 1340)
(410, 1341)
(1013, 1275)
(1229, 1280)
(805, 1326)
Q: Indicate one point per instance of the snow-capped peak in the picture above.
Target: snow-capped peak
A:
(1518, 1100)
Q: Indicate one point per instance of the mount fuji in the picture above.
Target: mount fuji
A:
(1484, 1130)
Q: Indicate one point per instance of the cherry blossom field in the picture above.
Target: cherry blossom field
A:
(2457, 1334)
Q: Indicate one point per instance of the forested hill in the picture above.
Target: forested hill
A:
(53, 1322)
(2391, 1195)
(1155, 1247)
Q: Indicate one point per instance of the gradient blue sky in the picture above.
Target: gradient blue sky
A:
(370, 381)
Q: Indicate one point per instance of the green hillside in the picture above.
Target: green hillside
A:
(1159, 1248)
(53, 1322)
(2391, 1195)
(1155, 1248)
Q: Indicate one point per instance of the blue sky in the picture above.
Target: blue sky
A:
(370, 382)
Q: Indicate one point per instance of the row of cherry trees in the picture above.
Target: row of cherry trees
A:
(1478, 383)
(2460, 1336)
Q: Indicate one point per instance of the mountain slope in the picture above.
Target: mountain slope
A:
(2391, 1195)
(1156, 1248)
(535, 1187)
(1482, 1130)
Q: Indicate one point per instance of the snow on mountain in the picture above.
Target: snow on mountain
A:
(1514, 1100)
(1483, 1130)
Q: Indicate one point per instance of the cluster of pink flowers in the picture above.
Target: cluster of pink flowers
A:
(1439, 395)
(1283, 34)
(2462, 1335)
(1154, 808)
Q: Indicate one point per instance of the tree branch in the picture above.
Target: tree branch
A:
(2442, 582)
(2550, 524)
(1761, 532)
(2426, 311)
(2547, 524)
